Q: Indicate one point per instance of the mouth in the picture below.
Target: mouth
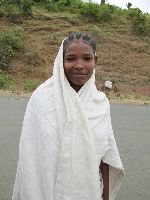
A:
(78, 74)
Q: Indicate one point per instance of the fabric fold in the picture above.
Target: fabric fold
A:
(65, 136)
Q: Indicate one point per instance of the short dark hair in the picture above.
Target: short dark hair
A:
(79, 36)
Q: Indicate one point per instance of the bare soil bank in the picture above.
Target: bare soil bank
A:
(122, 56)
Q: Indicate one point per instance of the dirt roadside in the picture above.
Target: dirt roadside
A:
(113, 99)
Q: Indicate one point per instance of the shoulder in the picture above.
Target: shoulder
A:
(98, 104)
(103, 102)
(44, 89)
(101, 97)
(42, 96)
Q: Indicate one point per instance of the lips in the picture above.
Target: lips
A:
(79, 74)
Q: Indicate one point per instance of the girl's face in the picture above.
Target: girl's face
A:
(79, 62)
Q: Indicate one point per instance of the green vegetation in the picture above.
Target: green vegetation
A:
(62, 5)
(33, 57)
(43, 73)
(99, 12)
(28, 51)
(25, 6)
(14, 39)
(14, 9)
(30, 85)
(9, 41)
(138, 20)
(53, 39)
(128, 98)
(5, 80)
(30, 68)
(6, 54)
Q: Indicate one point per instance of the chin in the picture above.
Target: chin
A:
(81, 83)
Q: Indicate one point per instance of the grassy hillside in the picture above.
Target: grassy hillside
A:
(123, 52)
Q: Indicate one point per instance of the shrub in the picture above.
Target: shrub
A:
(77, 5)
(30, 85)
(53, 39)
(105, 12)
(4, 80)
(16, 8)
(50, 6)
(13, 14)
(30, 68)
(147, 26)
(90, 10)
(62, 5)
(138, 24)
(138, 20)
(96, 11)
(10, 10)
(114, 9)
(33, 57)
(134, 12)
(26, 7)
(14, 39)
(39, 1)
(43, 73)
(6, 54)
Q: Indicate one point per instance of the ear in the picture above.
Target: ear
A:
(96, 59)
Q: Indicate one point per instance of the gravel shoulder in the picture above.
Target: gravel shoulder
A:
(14, 93)
(114, 100)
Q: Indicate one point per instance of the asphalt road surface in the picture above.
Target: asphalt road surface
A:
(131, 124)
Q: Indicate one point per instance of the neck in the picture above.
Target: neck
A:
(75, 87)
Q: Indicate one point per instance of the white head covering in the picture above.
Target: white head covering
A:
(77, 175)
(65, 136)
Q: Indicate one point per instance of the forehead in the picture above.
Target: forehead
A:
(78, 47)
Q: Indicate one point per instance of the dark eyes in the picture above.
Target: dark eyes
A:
(72, 59)
(88, 58)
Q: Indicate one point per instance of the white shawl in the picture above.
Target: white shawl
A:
(65, 135)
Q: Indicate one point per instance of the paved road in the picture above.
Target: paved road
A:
(132, 131)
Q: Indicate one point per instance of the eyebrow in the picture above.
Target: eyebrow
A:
(86, 54)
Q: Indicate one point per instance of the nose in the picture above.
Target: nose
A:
(79, 65)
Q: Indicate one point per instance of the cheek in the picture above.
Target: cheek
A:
(67, 66)
(91, 67)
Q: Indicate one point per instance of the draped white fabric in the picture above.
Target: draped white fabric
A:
(65, 135)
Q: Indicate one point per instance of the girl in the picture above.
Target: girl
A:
(67, 148)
